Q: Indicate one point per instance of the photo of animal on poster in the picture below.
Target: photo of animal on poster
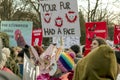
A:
(20, 32)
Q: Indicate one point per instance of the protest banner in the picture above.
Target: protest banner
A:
(94, 29)
(59, 18)
(19, 32)
(117, 34)
(37, 37)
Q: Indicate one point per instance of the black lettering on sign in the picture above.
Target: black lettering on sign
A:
(8, 30)
(59, 31)
(65, 5)
(48, 31)
(5, 25)
(68, 31)
(48, 7)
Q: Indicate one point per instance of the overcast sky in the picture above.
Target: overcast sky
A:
(112, 5)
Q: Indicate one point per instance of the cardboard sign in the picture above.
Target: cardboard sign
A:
(59, 18)
(29, 71)
(37, 37)
(48, 58)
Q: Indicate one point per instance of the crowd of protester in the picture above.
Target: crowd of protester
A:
(101, 63)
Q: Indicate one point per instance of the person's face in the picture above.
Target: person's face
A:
(94, 44)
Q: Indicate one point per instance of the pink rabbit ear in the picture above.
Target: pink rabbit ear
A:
(48, 51)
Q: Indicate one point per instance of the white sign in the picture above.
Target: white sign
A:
(29, 71)
(67, 41)
(59, 18)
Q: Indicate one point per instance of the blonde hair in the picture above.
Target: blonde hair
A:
(5, 53)
(3, 60)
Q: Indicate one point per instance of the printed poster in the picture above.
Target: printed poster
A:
(94, 29)
(20, 32)
(117, 34)
(37, 37)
